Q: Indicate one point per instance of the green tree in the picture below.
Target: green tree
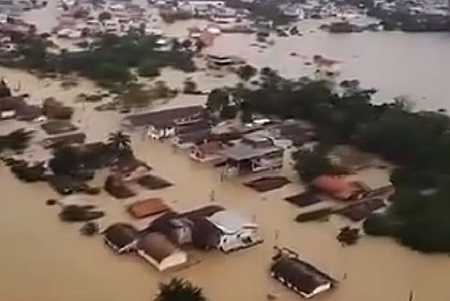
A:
(218, 99)
(135, 96)
(111, 71)
(103, 16)
(119, 142)
(311, 164)
(179, 290)
(189, 86)
(149, 68)
(246, 72)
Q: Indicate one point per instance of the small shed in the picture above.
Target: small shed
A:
(160, 252)
(120, 237)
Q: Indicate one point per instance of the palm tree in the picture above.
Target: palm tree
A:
(179, 290)
(119, 142)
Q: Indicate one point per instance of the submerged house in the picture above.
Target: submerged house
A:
(121, 237)
(338, 188)
(188, 227)
(224, 15)
(217, 61)
(148, 207)
(16, 107)
(162, 124)
(160, 251)
(207, 152)
(186, 136)
(236, 231)
(300, 276)
(253, 153)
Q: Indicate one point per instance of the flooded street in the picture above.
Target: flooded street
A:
(45, 259)
(57, 263)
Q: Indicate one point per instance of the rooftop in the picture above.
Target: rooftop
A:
(164, 117)
(301, 274)
(245, 151)
(121, 234)
(148, 207)
(230, 222)
(157, 246)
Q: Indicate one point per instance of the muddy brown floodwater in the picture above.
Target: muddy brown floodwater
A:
(45, 259)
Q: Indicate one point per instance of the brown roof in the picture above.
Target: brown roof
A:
(53, 127)
(362, 210)
(305, 277)
(157, 246)
(147, 208)
(267, 183)
(165, 118)
(211, 147)
(121, 234)
(194, 137)
(11, 103)
(193, 214)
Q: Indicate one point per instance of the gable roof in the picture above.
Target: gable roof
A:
(157, 246)
(121, 234)
(304, 276)
(230, 222)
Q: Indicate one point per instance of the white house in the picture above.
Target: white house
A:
(160, 252)
(236, 231)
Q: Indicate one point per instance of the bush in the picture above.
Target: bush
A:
(189, 86)
(228, 112)
(311, 164)
(112, 71)
(380, 225)
(149, 68)
(246, 72)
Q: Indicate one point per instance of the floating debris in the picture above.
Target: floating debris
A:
(89, 229)
(51, 202)
(265, 184)
(320, 214)
(348, 236)
(76, 213)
